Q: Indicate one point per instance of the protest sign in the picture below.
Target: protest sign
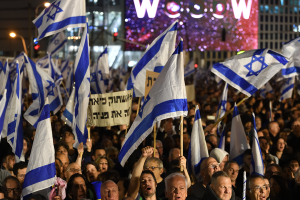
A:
(150, 80)
(110, 109)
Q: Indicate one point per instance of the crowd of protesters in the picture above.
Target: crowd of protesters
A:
(158, 177)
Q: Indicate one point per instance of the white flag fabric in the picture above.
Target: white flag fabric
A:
(222, 140)
(100, 75)
(65, 69)
(40, 84)
(41, 172)
(290, 70)
(69, 85)
(2, 110)
(154, 59)
(189, 68)
(54, 96)
(82, 87)
(287, 88)
(13, 122)
(60, 15)
(68, 113)
(291, 48)
(5, 97)
(57, 42)
(197, 149)
(166, 99)
(238, 140)
(257, 164)
(267, 88)
(249, 71)
(4, 71)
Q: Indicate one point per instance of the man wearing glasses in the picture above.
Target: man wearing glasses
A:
(12, 188)
(220, 187)
(208, 167)
(72, 168)
(256, 188)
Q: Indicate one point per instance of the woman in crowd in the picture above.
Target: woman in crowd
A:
(79, 188)
(280, 151)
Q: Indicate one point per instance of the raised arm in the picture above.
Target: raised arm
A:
(182, 162)
(134, 184)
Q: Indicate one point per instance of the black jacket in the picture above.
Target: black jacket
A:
(211, 195)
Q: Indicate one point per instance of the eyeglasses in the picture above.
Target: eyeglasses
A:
(259, 188)
(74, 170)
(151, 168)
(212, 166)
(15, 190)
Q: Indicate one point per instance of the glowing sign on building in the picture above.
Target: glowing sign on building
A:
(201, 22)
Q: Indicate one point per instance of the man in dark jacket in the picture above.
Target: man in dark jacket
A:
(220, 187)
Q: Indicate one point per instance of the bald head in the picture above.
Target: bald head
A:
(274, 128)
(72, 168)
(208, 167)
(109, 191)
(64, 159)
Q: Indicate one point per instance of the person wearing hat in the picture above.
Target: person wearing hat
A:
(221, 157)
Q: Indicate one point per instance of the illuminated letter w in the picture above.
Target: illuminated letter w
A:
(145, 5)
(240, 8)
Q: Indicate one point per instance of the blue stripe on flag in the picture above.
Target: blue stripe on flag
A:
(37, 175)
(150, 53)
(235, 78)
(292, 40)
(235, 112)
(290, 70)
(287, 89)
(62, 24)
(170, 106)
(55, 103)
(20, 135)
(54, 37)
(278, 57)
(197, 115)
(68, 115)
(158, 69)
(190, 73)
(59, 46)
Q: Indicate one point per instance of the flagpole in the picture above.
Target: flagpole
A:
(154, 138)
(230, 111)
(128, 120)
(65, 89)
(181, 139)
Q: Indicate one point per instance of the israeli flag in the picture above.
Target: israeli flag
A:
(60, 15)
(249, 71)
(65, 69)
(5, 100)
(238, 140)
(154, 59)
(54, 96)
(41, 172)
(68, 113)
(218, 80)
(13, 122)
(267, 88)
(222, 104)
(4, 74)
(189, 68)
(291, 49)
(2, 110)
(291, 69)
(43, 63)
(166, 99)
(287, 88)
(197, 149)
(257, 164)
(57, 42)
(82, 87)
(100, 75)
(69, 85)
(222, 140)
(41, 84)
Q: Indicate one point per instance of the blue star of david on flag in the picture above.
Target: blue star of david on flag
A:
(50, 88)
(52, 7)
(94, 77)
(142, 109)
(56, 41)
(256, 58)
